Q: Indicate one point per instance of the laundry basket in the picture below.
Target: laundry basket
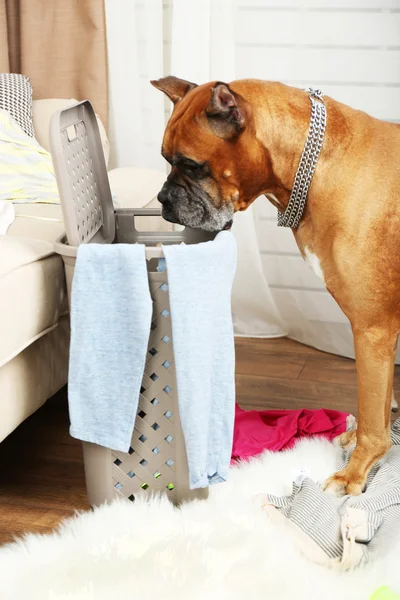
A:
(156, 460)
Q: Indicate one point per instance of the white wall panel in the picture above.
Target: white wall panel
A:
(287, 27)
(351, 50)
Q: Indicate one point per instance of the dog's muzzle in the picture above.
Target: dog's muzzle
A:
(193, 208)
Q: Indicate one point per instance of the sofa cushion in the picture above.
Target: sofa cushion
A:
(32, 293)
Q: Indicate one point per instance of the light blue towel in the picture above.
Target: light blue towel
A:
(111, 312)
(200, 281)
(111, 316)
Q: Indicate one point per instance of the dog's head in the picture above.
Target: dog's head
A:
(211, 145)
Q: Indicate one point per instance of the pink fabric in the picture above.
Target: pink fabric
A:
(275, 430)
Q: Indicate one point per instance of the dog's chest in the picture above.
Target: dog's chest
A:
(313, 261)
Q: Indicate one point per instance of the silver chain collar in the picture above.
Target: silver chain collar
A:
(308, 162)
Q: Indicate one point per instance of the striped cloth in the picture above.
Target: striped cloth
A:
(349, 531)
(26, 169)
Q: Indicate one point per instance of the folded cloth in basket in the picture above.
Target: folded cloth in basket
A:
(200, 278)
(111, 310)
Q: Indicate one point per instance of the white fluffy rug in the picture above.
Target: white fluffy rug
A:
(223, 548)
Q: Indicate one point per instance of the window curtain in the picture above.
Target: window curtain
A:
(60, 45)
(203, 49)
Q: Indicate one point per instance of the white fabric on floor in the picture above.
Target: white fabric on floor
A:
(225, 547)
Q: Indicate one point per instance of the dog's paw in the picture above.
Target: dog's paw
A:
(346, 440)
(340, 484)
(394, 405)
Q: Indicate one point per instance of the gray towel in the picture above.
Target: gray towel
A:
(111, 312)
(348, 531)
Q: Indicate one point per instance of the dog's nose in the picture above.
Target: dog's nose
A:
(162, 195)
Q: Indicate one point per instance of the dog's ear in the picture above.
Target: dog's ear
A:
(225, 115)
(173, 87)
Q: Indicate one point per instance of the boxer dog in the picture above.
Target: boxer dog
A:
(227, 144)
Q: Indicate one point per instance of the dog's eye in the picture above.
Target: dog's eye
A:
(191, 167)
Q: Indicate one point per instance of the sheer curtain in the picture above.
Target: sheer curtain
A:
(203, 49)
(135, 44)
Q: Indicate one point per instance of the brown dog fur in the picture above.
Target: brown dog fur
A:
(351, 221)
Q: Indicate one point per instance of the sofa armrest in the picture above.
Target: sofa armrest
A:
(133, 187)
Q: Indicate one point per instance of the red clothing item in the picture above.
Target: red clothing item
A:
(275, 430)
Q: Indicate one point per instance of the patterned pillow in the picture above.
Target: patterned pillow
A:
(16, 98)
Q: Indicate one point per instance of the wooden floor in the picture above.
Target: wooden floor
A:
(41, 470)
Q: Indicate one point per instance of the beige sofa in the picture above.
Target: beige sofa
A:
(34, 323)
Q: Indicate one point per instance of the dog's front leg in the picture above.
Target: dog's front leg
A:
(375, 349)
